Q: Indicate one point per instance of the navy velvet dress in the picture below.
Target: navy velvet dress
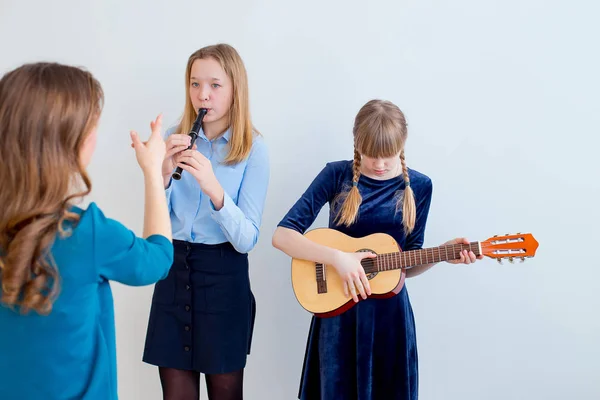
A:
(370, 351)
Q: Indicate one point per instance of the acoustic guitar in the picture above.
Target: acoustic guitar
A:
(319, 288)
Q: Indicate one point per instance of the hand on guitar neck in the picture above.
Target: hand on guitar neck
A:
(467, 256)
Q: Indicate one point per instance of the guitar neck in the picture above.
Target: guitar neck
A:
(413, 258)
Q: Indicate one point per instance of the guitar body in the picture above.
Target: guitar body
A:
(330, 300)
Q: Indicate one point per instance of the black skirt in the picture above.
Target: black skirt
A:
(202, 314)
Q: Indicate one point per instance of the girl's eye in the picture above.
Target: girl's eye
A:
(216, 85)
(195, 84)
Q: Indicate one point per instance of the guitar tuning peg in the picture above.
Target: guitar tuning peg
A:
(522, 259)
(511, 260)
(499, 261)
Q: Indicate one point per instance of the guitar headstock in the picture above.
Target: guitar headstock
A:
(511, 247)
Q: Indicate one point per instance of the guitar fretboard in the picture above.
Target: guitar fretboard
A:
(413, 258)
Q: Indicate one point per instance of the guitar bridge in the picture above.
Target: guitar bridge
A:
(321, 278)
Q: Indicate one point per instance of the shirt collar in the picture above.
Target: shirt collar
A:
(226, 135)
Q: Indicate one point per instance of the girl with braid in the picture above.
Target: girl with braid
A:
(368, 352)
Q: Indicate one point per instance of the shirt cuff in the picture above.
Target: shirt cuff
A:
(169, 189)
(229, 211)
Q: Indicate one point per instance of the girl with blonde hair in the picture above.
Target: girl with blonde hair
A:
(202, 314)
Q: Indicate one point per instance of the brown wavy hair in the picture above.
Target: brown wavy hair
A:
(46, 112)
(239, 112)
(380, 130)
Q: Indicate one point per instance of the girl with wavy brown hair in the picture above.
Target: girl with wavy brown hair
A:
(57, 332)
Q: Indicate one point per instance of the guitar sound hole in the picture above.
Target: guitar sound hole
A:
(372, 274)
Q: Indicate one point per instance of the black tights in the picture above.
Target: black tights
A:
(185, 385)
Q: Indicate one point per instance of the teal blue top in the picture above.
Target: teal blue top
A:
(71, 353)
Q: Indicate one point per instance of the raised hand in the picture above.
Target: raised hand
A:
(150, 154)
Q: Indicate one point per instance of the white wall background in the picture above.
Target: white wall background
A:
(502, 103)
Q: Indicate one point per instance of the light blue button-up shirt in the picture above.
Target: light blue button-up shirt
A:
(193, 216)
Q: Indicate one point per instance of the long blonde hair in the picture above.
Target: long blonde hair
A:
(380, 130)
(240, 122)
(46, 112)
